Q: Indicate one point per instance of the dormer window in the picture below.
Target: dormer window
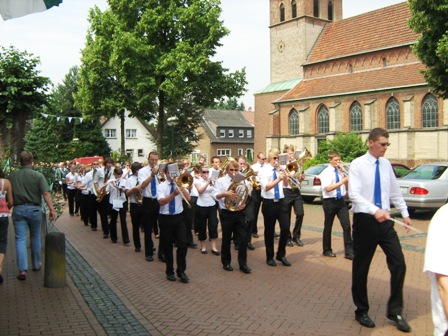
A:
(231, 135)
(222, 133)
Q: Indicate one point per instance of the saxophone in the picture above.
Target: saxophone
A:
(102, 192)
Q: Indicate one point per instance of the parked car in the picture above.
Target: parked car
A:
(400, 169)
(311, 186)
(426, 186)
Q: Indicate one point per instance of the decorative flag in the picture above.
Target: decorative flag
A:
(11, 9)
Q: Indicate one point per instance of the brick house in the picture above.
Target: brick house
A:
(330, 75)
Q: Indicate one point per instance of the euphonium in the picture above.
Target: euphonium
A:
(184, 180)
(241, 191)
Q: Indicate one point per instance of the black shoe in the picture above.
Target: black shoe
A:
(94, 229)
(183, 278)
(105, 236)
(255, 235)
(192, 245)
(276, 235)
(297, 241)
(365, 320)
(216, 253)
(114, 241)
(204, 251)
(22, 276)
(245, 269)
(228, 268)
(329, 254)
(250, 246)
(171, 277)
(289, 243)
(153, 248)
(162, 258)
(137, 249)
(149, 258)
(271, 262)
(349, 256)
(284, 261)
(400, 322)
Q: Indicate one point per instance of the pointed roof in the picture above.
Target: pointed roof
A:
(213, 119)
(376, 30)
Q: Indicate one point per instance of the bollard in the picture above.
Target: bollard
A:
(55, 269)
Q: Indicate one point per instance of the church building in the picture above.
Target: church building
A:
(331, 75)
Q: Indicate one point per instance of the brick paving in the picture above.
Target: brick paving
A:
(112, 290)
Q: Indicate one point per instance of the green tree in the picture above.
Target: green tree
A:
(348, 145)
(429, 18)
(229, 104)
(56, 140)
(155, 57)
(23, 93)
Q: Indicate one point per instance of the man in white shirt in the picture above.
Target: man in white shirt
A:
(256, 192)
(334, 187)
(372, 186)
(436, 268)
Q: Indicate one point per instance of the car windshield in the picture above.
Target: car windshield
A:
(315, 170)
(425, 172)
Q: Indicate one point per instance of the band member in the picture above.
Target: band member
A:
(256, 192)
(172, 226)
(216, 165)
(82, 193)
(147, 177)
(206, 211)
(249, 209)
(273, 180)
(70, 182)
(133, 189)
(92, 204)
(100, 178)
(293, 200)
(372, 186)
(231, 221)
(334, 187)
(189, 211)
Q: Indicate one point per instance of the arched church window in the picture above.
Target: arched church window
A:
(430, 111)
(282, 12)
(355, 117)
(392, 114)
(330, 11)
(294, 8)
(293, 122)
(322, 119)
(316, 8)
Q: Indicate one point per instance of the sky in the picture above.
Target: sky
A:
(57, 37)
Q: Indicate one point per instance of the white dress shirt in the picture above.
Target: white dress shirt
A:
(131, 182)
(266, 175)
(221, 186)
(143, 174)
(327, 178)
(362, 184)
(206, 198)
(164, 190)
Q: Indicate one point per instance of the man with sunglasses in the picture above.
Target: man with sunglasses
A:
(372, 186)
(273, 179)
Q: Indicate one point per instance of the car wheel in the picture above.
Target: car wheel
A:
(308, 199)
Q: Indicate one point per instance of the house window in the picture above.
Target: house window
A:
(355, 117)
(316, 8)
(249, 134)
(240, 152)
(330, 11)
(222, 133)
(241, 133)
(131, 133)
(224, 152)
(130, 153)
(430, 111)
(293, 122)
(250, 154)
(110, 133)
(392, 114)
(282, 12)
(230, 133)
(140, 152)
(294, 8)
(322, 120)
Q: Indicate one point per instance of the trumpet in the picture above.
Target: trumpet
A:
(185, 180)
(343, 167)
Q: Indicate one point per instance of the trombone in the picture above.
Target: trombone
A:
(184, 180)
(343, 167)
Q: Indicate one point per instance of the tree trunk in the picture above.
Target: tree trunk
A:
(122, 131)
(160, 123)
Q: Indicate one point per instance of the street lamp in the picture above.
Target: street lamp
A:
(172, 122)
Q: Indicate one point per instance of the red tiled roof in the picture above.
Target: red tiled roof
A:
(363, 81)
(379, 29)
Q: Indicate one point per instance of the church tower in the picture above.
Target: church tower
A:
(295, 25)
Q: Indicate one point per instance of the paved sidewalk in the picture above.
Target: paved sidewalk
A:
(112, 290)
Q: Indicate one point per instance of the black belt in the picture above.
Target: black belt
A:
(268, 200)
(150, 198)
(332, 199)
(27, 204)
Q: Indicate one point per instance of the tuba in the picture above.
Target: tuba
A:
(185, 180)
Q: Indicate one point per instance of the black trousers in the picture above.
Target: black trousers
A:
(336, 207)
(104, 208)
(293, 200)
(368, 233)
(77, 200)
(250, 218)
(71, 193)
(256, 200)
(172, 228)
(189, 215)
(273, 211)
(233, 222)
(92, 208)
(207, 217)
(83, 208)
(123, 223)
(136, 211)
(150, 215)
